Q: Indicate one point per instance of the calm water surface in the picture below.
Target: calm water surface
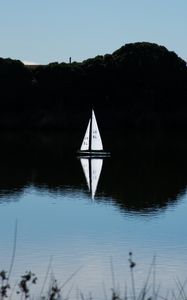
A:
(140, 205)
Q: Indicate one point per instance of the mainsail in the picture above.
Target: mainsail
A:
(96, 142)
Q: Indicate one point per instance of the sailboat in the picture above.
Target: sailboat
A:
(92, 169)
(92, 145)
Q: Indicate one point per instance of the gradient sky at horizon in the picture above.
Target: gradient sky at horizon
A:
(43, 31)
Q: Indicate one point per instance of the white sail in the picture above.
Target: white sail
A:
(96, 142)
(85, 143)
(85, 166)
(96, 167)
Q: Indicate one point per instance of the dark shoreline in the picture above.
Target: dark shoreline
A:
(139, 86)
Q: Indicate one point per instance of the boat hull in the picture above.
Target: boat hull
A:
(93, 153)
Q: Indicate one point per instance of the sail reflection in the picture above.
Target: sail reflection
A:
(92, 170)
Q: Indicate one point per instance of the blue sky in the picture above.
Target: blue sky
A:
(43, 31)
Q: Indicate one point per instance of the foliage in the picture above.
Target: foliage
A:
(139, 85)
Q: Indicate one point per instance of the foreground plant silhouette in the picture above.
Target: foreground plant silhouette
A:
(149, 291)
(25, 283)
(4, 285)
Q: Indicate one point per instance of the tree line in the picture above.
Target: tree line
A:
(140, 85)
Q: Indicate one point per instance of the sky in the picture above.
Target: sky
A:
(44, 31)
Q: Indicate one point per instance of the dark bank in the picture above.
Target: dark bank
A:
(140, 85)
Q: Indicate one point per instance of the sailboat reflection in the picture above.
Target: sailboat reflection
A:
(92, 169)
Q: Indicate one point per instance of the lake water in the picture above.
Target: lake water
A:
(140, 205)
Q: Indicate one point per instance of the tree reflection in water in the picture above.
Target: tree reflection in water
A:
(146, 171)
